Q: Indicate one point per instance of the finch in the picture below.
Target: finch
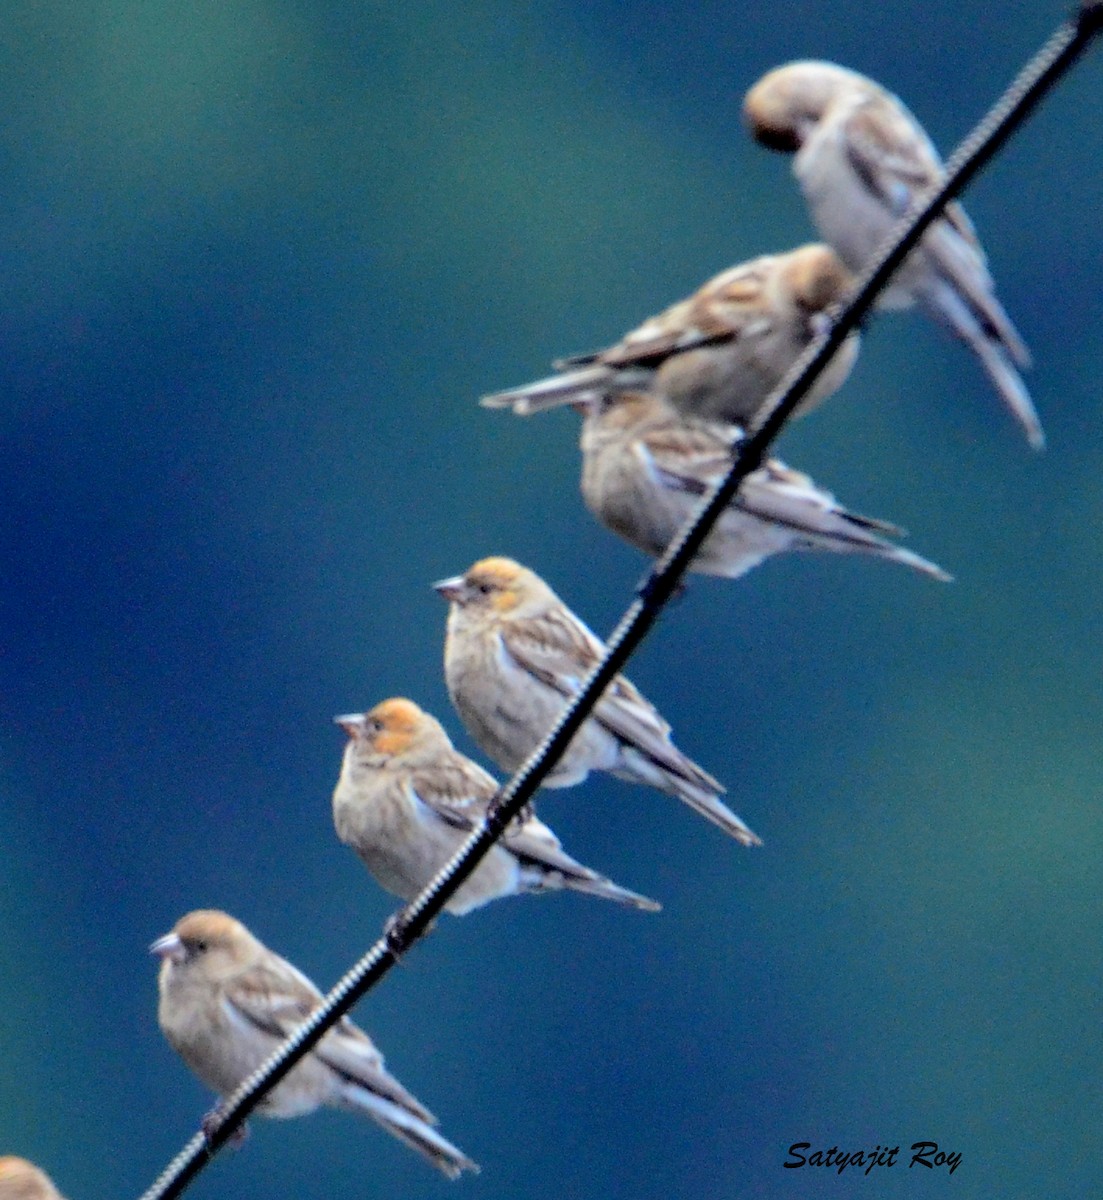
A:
(645, 469)
(861, 160)
(227, 1002)
(22, 1180)
(719, 354)
(407, 800)
(514, 655)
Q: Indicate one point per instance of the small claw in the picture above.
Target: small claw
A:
(212, 1122)
(645, 589)
(397, 934)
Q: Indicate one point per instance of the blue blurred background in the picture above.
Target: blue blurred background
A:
(260, 258)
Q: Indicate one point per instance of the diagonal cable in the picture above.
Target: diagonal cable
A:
(1017, 103)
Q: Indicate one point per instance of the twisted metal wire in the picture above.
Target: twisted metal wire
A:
(409, 924)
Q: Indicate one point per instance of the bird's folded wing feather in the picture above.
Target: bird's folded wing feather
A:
(895, 160)
(686, 458)
(562, 654)
(536, 843)
(277, 1000)
(778, 493)
(458, 791)
(722, 311)
(351, 1053)
(890, 154)
(273, 1000)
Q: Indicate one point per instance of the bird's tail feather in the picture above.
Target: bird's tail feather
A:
(593, 884)
(546, 866)
(409, 1128)
(715, 810)
(573, 387)
(822, 524)
(586, 385)
(967, 277)
(988, 332)
(1011, 388)
(642, 769)
(907, 558)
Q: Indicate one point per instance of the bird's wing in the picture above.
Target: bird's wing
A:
(560, 651)
(274, 998)
(456, 790)
(725, 309)
(688, 458)
(890, 153)
(353, 1055)
(896, 161)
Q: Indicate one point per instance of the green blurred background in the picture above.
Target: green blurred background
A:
(260, 258)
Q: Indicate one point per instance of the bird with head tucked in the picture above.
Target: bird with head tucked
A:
(862, 160)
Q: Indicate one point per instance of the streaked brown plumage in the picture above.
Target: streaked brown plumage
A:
(719, 353)
(407, 800)
(227, 1002)
(645, 470)
(514, 655)
(861, 160)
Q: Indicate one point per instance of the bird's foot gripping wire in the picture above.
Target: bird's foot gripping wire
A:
(213, 1120)
(397, 935)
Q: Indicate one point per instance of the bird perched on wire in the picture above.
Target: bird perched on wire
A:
(861, 161)
(515, 654)
(22, 1180)
(645, 469)
(227, 1002)
(720, 353)
(407, 800)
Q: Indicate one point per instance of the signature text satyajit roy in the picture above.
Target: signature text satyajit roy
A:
(924, 1154)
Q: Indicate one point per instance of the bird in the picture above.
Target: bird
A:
(227, 1002)
(861, 160)
(22, 1180)
(406, 800)
(514, 656)
(721, 352)
(645, 470)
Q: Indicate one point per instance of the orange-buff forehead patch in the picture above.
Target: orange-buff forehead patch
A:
(392, 741)
(400, 719)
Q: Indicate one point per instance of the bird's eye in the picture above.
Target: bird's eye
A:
(484, 588)
(199, 947)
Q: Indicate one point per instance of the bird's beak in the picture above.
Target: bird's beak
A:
(169, 947)
(351, 723)
(450, 589)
